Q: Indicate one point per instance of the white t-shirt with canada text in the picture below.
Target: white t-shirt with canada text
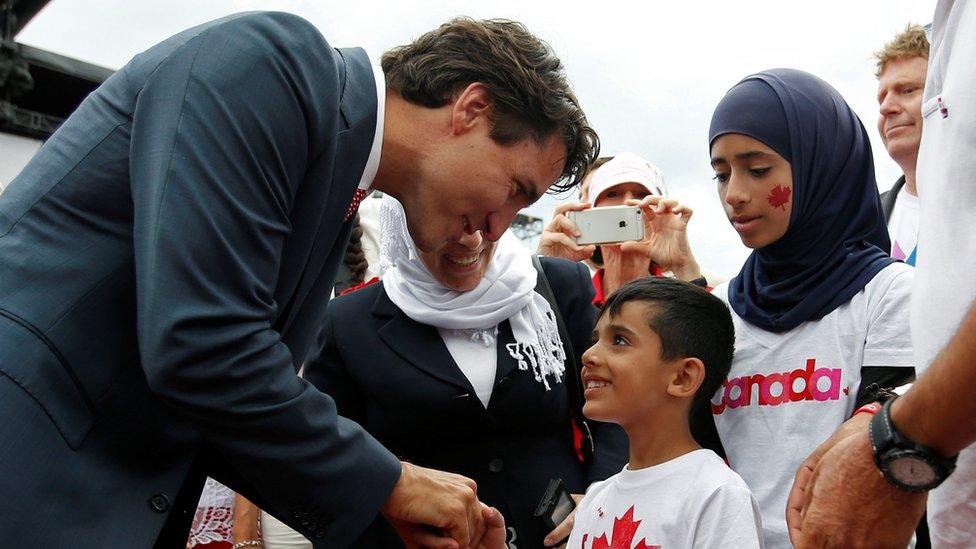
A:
(788, 392)
(691, 501)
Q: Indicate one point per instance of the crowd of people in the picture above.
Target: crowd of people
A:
(182, 328)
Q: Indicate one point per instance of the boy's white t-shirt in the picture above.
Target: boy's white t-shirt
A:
(691, 501)
(768, 427)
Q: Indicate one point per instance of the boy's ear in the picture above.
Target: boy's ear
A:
(689, 374)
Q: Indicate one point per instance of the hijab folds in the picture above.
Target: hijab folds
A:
(836, 239)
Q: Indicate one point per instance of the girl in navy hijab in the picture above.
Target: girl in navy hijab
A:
(820, 310)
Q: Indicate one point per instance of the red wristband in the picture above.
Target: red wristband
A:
(872, 409)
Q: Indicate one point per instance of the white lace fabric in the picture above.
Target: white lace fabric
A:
(214, 515)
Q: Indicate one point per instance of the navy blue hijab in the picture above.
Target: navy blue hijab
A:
(836, 241)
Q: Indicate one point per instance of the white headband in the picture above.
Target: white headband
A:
(627, 167)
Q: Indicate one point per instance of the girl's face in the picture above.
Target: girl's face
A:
(756, 187)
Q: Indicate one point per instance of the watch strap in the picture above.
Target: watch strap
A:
(885, 437)
(881, 431)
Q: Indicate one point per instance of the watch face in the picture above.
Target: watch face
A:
(911, 470)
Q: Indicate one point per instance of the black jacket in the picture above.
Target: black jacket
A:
(889, 197)
(396, 377)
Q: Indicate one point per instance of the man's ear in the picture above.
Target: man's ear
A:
(689, 374)
(471, 107)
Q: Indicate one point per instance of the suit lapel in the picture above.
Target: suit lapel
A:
(418, 344)
(357, 108)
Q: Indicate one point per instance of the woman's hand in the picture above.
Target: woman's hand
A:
(495, 532)
(246, 525)
(559, 237)
(561, 532)
(665, 236)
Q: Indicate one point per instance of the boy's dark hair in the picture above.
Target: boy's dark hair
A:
(691, 322)
(527, 83)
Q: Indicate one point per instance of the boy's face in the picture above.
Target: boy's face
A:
(624, 378)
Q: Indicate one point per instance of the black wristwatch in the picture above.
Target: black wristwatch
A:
(908, 465)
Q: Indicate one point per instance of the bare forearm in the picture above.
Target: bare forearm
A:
(246, 520)
(939, 410)
(688, 270)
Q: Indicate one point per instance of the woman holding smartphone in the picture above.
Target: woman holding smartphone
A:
(621, 180)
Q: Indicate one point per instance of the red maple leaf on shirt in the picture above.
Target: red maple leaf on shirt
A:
(779, 196)
(624, 529)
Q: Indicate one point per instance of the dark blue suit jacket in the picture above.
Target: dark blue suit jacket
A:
(165, 261)
(396, 377)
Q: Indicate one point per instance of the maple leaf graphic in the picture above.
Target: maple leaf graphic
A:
(779, 196)
(624, 529)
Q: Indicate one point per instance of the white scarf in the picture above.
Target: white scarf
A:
(507, 292)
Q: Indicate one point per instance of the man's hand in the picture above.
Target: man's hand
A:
(562, 531)
(801, 484)
(665, 236)
(417, 536)
(840, 499)
(559, 237)
(432, 508)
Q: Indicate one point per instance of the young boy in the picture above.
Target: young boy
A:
(661, 347)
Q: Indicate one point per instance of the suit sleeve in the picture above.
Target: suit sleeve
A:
(579, 314)
(327, 371)
(221, 139)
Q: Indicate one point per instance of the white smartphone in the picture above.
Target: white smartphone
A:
(608, 225)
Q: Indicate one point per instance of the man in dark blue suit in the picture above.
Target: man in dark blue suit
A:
(166, 258)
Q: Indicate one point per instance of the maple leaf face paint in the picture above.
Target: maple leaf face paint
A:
(779, 197)
(756, 187)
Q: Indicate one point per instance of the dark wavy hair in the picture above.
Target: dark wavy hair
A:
(531, 96)
(690, 321)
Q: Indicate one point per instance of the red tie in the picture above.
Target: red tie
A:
(354, 205)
